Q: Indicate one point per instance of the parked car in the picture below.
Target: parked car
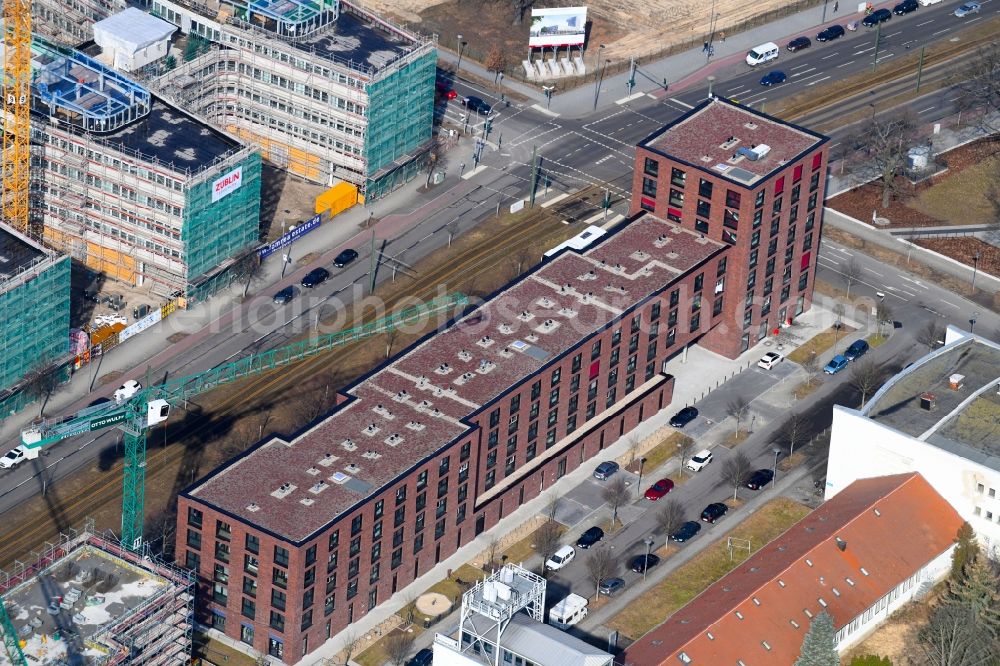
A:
(857, 349)
(773, 78)
(698, 461)
(611, 586)
(876, 17)
(798, 44)
(905, 7)
(606, 470)
(560, 558)
(590, 537)
(127, 390)
(686, 532)
(345, 257)
(683, 417)
(14, 458)
(425, 657)
(713, 512)
(99, 401)
(315, 277)
(831, 33)
(759, 479)
(643, 563)
(445, 90)
(836, 364)
(476, 105)
(968, 8)
(285, 295)
(769, 360)
(659, 489)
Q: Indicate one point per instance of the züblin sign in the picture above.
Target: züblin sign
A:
(227, 183)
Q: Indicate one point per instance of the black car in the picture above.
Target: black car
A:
(314, 277)
(857, 349)
(683, 417)
(285, 295)
(800, 43)
(643, 563)
(423, 658)
(590, 537)
(611, 586)
(476, 105)
(831, 33)
(685, 532)
(714, 511)
(345, 257)
(759, 479)
(905, 7)
(876, 17)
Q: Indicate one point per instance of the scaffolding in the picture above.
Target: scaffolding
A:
(79, 569)
(71, 21)
(489, 606)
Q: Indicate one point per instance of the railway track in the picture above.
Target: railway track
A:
(538, 229)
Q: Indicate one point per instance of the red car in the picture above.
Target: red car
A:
(659, 489)
(445, 90)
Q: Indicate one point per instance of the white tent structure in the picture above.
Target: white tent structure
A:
(132, 39)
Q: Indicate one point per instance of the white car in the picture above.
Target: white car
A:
(769, 360)
(698, 461)
(127, 390)
(561, 558)
(13, 458)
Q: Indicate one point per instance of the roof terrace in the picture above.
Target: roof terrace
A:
(420, 402)
(732, 141)
(17, 253)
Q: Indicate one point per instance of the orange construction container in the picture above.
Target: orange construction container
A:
(337, 199)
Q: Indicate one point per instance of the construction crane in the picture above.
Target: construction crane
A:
(148, 406)
(17, 113)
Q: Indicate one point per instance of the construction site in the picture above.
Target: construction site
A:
(87, 600)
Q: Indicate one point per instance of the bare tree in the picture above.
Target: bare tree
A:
(670, 516)
(979, 84)
(811, 365)
(615, 493)
(40, 383)
(349, 645)
(251, 269)
(390, 339)
(552, 507)
(633, 448)
(524, 258)
(882, 147)
(953, 637)
(547, 539)
(491, 553)
(931, 334)
(601, 565)
(684, 446)
(735, 470)
(496, 62)
(520, 7)
(865, 377)
(397, 647)
(738, 408)
(433, 156)
(883, 313)
(793, 430)
(852, 275)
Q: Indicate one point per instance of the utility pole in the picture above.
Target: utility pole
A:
(534, 175)
(631, 76)
(374, 266)
(920, 67)
(878, 35)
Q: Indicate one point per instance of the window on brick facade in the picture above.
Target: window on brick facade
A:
(221, 573)
(649, 187)
(768, 285)
(439, 528)
(530, 451)
(612, 396)
(536, 390)
(460, 514)
(696, 303)
(553, 416)
(418, 543)
(733, 199)
(397, 537)
(577, 363)
(677, 177)
(463, 472)
(442, 507)
(358, 520)
(421, 502)
(250, 564)
(654, 311)
(695, 322)
(192, 560)
(249, 608)
(194, 539)
(672, 318)
(466, 451)
(651, 167)
(671, 336)
(397, 558)
(515, 404)
(422, 480)
(772, 246)
(765, 306)
(615, 356)
(493, 439)
(701, 226)
(494, 418)
(814, 182)
(797, 173)
(612, 378)
(676, 198)
(374, 574)
(419, 523)
(796, 191)
(220, 594)
(377, 531)
(759, 199)
(331, 562)
(731, 219)
(704, 188)
(704, 209)
(647, 204)
(511, 444)
(491, 479)
(650, 371)
(491, 459)
(753, 258)
(550, 438)
(785, 292)
(755, 239)
(352, 588)
(554, 397)
(591, 410)
(223, 530)
(330, 604)
(355, 546)
(717, 307)
(803, 280)
(747, 316)
(399, 517)
(353, 567)
(307, 620)
(400, 495)
(812, 201)
(278, 599)
(194, 517)
(817, 161)
(222, 551)
(533, 430)
(595, 350)
(279, 577)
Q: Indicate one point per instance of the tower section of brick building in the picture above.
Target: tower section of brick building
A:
(750, 181)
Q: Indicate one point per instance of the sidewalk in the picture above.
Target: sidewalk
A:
(681, 70)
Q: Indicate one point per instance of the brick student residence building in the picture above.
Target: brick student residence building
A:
(299, 537)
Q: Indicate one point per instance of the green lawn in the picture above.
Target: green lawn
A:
(710, 565)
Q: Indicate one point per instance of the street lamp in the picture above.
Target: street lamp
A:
(460, 45)
(548, 95)
(649, 545)
(975, 270)
(711, 81)
(972, 320)
(774, 471)
(638, 486)
(597, 74)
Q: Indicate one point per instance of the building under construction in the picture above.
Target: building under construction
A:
(131, 186)
(329, 91)
(87, 600)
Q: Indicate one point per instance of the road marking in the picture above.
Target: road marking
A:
(929, 108)
(736, 90)
(801, 66)
(811, 76)
(883, 57)
(898, 32)
(870, 48)
(684, 104)
(805, 72)
(934, 34)
(849, 62)
(949, 303)
(924, 23)
(828, 57)
(542, 109)
(874, 272)
(952, 99)
(812, 83)
(626, 100)
(974, 20)
(605, 158)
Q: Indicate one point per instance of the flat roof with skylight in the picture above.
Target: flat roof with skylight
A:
(732, 141)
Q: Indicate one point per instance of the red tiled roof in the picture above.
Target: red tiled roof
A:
(419, 402)
(839, 553)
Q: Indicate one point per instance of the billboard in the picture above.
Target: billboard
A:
(564, 26)
(227, 183)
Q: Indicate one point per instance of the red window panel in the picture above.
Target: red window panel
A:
(817, 160)
(674, 211)
(806, 256)
(779, 186)
(797, 174)
(595, 368)
(647, 203)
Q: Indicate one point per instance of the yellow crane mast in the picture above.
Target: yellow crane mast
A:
(17, 113)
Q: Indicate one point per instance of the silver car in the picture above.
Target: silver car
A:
(968, 8)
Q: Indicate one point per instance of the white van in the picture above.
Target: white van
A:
(925, 3)
(762, 53)
(561, 558)
(568, 612)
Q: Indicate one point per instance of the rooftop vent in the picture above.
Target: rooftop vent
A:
(525, 316)
(545, 302)
(308, 501)
(464, 378)
(661, 240)
(416, 426)
(371, 455)
(421, 382)
(383, 412)
(425, 405)
(339, 478)
(394, 439)
(485, 341)
(956, 381)
(548, 326)
(283, 491)
(464, 355)
(706, 158)
(531, 337)
(313, 471)
(928, 401)
(485, 366)
(639, 255)
(506, 352)
(569, 313)
(505, 329)
(318, 487)
(729, 143)
(589, 275)
(328, 459)
(443, 369)
(371, 430)
(841, 544)
(401, 396)
(750, 125)
(349, 445)
(253, 507)
(352, 469)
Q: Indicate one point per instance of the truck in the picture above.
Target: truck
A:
(568, 612)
